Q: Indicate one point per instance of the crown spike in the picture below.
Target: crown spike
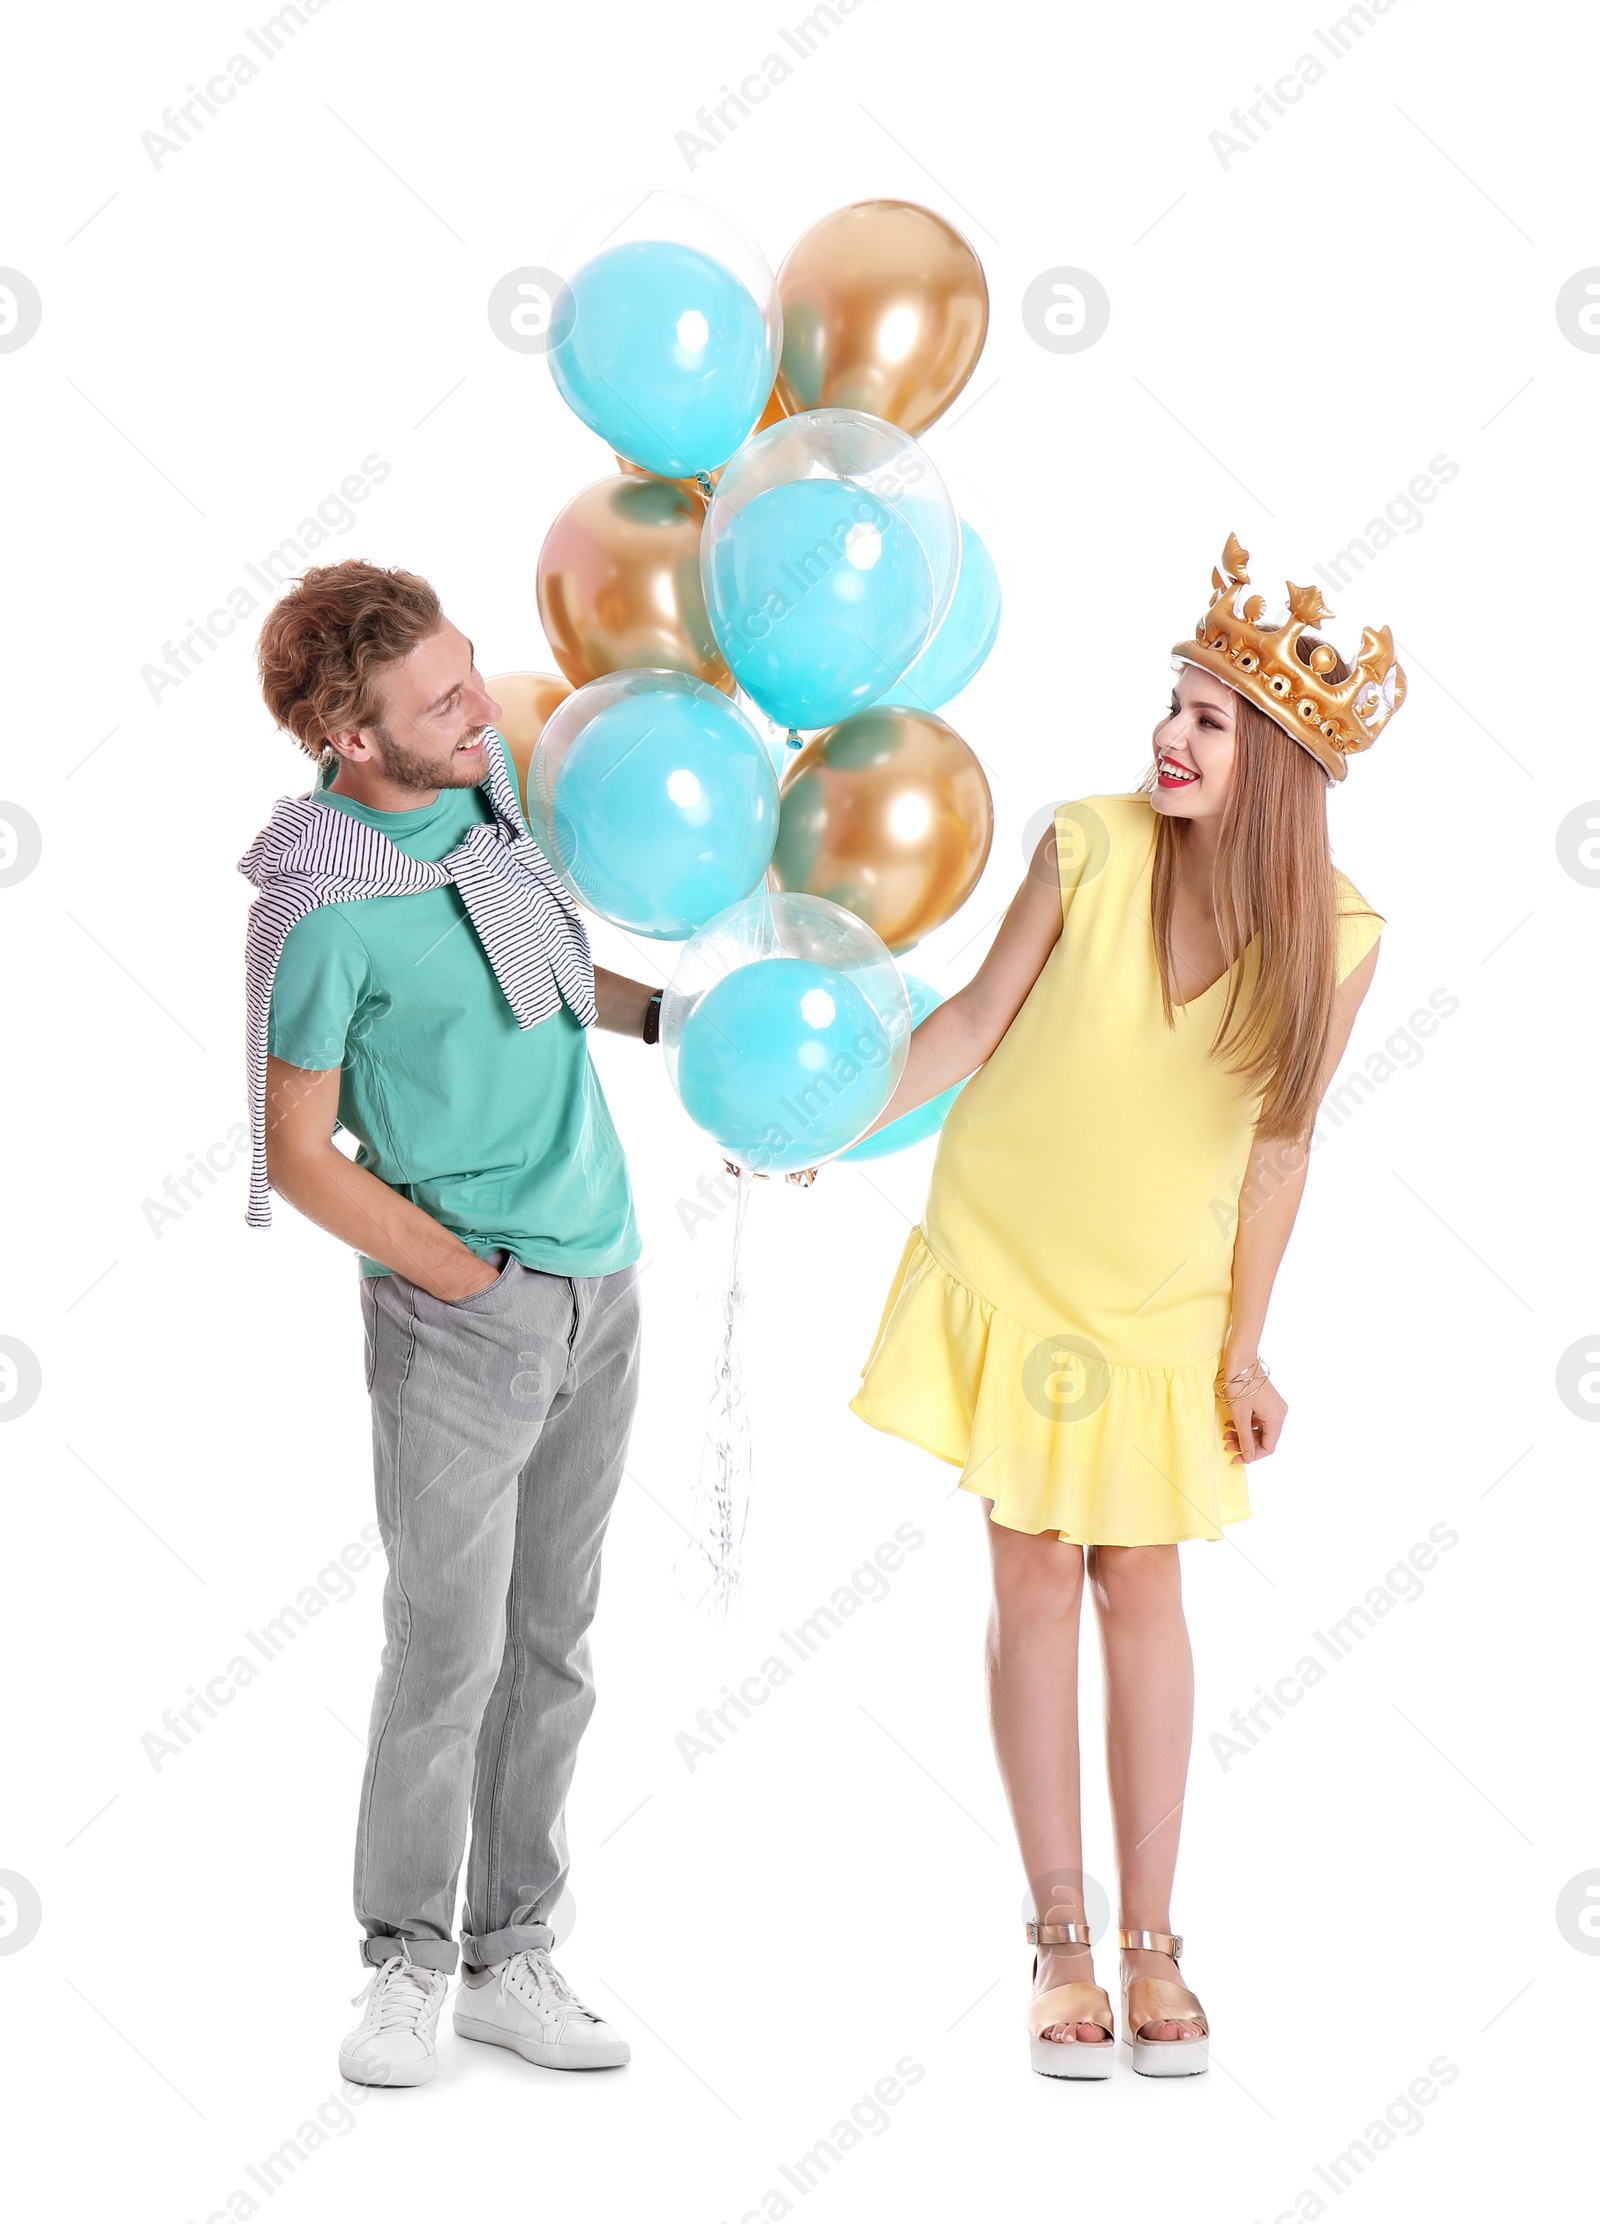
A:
(1306, 604)
(1236, 558)
(1377, 652)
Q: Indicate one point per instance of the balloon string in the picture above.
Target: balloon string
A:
(723, 1496)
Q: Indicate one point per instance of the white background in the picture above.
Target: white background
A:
(1293, 336)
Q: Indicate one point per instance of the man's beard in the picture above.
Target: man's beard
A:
(409, 769)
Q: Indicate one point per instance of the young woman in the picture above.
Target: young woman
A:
(1077, 1322)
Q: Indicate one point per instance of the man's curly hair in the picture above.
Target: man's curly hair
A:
(326, 642)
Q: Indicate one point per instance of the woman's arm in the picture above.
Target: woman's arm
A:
(956, 1038)
(1274, 1182)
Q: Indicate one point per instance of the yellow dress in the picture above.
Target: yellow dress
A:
(1057, 1321)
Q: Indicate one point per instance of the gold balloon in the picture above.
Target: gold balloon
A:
(619, 583)
(890, 815)
(885, 310)
(774, 413)
(526, 700)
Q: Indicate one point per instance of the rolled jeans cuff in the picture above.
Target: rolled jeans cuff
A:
(427, 1953)
(516, 1938)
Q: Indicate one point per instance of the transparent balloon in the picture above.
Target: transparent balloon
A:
(785, 1029)
(829, 557)
(670, 332)
(655, 798)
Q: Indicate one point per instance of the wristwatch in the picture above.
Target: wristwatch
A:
(651, 1029)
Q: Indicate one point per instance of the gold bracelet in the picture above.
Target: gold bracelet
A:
(1243, 1380)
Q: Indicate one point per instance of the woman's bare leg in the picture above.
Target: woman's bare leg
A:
(1032, 1672)
(1149, 1680)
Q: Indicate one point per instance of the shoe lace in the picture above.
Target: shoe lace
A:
(546, 1979)
(401, 1991)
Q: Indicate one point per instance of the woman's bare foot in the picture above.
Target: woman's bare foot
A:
(1067, 1965)
(1141, 1962)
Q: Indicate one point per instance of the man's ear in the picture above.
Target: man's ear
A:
(352, 745)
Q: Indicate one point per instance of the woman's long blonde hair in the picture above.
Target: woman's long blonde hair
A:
(1273, 888)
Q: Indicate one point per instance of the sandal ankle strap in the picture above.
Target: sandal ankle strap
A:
(1150, 1942)
(1058, 1934)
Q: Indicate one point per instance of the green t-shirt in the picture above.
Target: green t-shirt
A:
(500, 1134)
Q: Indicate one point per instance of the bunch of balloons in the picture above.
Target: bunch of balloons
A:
(774, 545)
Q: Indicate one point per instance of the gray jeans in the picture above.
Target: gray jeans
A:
(499, 1429)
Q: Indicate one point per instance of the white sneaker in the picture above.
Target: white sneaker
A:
(526, 2004)
(396, 2041)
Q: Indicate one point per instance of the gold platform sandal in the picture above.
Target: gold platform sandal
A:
(1068, 2004)
(1147, 2000)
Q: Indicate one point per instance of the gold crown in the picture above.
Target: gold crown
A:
(1331, 718)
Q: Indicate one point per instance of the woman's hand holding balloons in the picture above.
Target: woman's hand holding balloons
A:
(801, 1180)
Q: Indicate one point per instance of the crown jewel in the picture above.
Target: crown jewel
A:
(1261, 659)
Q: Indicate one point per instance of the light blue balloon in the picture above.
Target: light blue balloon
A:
(965, 636)
(667, 357)
(926, 1119)
(820, 596)
(665, 811)
(782, 1061)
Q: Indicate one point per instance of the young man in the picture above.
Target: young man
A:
(418, 975)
